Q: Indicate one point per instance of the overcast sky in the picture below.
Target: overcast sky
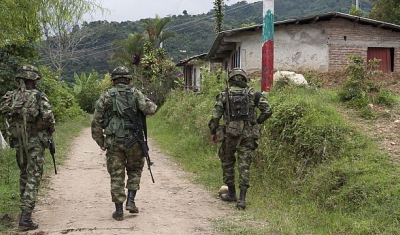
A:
(132, 10)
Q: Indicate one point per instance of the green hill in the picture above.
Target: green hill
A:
(194, 33)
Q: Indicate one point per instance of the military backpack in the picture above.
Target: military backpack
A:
(123, 119)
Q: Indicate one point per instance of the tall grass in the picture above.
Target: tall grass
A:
(9, 171)
(313, 173)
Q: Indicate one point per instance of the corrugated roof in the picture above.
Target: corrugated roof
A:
(217, 51)
(185, 61)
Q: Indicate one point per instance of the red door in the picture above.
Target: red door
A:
(382, 54)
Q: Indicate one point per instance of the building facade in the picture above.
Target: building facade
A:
(320, 42)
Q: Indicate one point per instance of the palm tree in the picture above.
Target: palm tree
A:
(154, 30)
(127, 50)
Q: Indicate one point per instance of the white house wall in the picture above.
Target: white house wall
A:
(295, 48)
(301, 48)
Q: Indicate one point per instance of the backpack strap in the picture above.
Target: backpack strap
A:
(257, 97)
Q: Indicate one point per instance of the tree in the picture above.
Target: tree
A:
(60, 20)
(386, 10)
(218, 14)
(129, 52)
(154, 30)
(356, 11)
(24, 22)
(19, 22)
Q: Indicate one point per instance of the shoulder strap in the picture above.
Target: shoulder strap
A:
(257, 97)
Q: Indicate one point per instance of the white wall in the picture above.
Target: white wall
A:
(295, 48)
(301, 47)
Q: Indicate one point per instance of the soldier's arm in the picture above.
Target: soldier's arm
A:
(46, 113)
(217, 113)
(147, 106)
(265, 110)
(98, 122)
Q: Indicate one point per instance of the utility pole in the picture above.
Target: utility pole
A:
(357, 4)
(267, 67)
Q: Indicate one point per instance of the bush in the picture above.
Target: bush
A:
(61, 97)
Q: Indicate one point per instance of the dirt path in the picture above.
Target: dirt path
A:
(78, 200)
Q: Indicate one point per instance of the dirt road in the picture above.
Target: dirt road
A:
(78, 200)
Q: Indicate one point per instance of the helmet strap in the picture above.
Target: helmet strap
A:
(22, 85)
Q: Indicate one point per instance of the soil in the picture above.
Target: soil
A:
(385, 128)
(78, 199)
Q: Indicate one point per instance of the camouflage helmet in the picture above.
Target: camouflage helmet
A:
(29, 72)
(237, 74)
(121, 72)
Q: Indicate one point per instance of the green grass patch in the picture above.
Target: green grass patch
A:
(313, 173)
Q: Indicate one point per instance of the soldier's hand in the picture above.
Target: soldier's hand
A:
(214, 140)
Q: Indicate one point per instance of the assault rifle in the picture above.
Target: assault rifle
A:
(139, 136)
(52, 149)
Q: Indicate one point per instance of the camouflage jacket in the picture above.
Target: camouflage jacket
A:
(220, 109)
(103, 111)
(39, 114)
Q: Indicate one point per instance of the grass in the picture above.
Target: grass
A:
(313, 173)
(9, 171)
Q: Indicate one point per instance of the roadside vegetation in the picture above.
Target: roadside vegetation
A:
(314, 172)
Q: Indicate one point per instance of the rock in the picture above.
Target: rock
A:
(223, 189)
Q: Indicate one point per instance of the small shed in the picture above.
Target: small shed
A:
(318, 42)
(191, 71)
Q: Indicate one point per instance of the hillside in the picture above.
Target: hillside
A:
(194, 33)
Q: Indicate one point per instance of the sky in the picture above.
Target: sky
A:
(132, 10)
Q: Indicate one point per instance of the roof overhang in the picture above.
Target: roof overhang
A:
(191, 59)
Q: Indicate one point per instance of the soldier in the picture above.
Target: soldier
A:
(117, 128)
(237, 105)
(31, 123)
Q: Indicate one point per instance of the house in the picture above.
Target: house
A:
(319, 42)
(191, 71)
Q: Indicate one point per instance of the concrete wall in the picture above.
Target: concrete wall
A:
(320, 46)
(301, 48)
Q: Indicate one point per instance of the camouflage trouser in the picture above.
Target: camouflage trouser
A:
(31, 168)
(244, 152)
(119, 159)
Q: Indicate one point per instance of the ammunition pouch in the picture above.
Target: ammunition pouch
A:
(44, 139)
(220, 133)
(256, 131)
(234, 128)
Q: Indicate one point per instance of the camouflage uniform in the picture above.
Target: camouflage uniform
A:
(246, 142)
(30, 144)
(119, 157)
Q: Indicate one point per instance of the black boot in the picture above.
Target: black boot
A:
(119, 212)
(241, 204)
(231, 196)
(26, 223)
(130, 202)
